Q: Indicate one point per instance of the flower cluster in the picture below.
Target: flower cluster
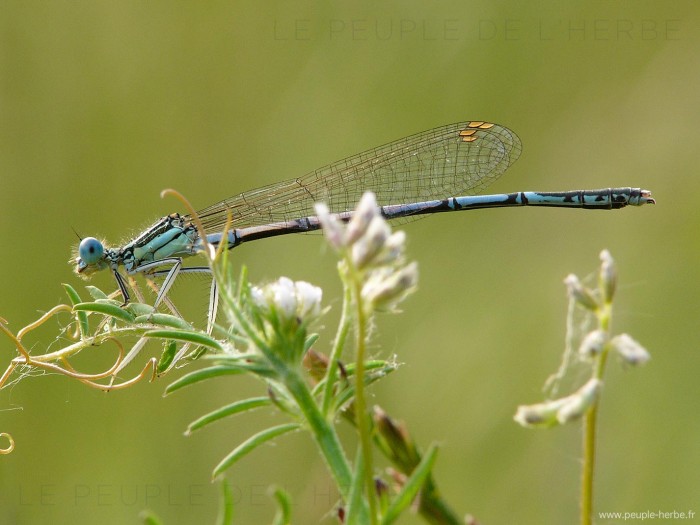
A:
(599, 301)
(373, 251)
(288, 301)
(594, 348)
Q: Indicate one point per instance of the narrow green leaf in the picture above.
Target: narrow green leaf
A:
(105, 308)
(229, 410)
(310, 341)
(167, 356)
(232, 359)
(372, 365)
(282, 401)
(251, 444)
(197, 353)
(374, 369)
(254, 368)
(110, 301)
(139, 309)
(83, 322)
(96, 293)
(187, 337)
(347, 394)
(253, 363)
(284, 511)
(201, 375)
(225, 516)
(172, 321)
(243, 283)
(72, 293)
(412, 486)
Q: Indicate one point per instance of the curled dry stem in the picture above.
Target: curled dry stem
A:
(151, 364)
(48, 361)
(17, 339)
(11, 443)
(36, 324)
(25, 358)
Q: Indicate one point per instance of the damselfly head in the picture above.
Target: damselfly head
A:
(90, 258)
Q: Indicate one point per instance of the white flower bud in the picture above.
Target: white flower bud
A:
(577, 404)
(392, 252)
(308, 299)
(608, 276)
(371, 243)
(630, 350)
(387, 287)
(562, 410)
(366, 210)
(580, 294)
(539, 415)
(332, 227)
(258, 297)
(283, 296)
(593, 344)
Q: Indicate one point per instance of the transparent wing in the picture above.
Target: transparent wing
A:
(448, 161)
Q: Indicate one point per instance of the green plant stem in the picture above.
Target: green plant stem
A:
(588, 464)
(590, 422)
(322, 431)
(338, 345)
(361, 415)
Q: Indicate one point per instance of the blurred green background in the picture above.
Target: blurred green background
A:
(104, 104)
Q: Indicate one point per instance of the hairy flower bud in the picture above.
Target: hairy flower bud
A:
(608, 276)
(369, 245)
(579, 293)
(631, 352)
(539, 415)
(384, 289)
(366, 210)
(593, 344)
(562, 410)
(580, 402)
(332, 227)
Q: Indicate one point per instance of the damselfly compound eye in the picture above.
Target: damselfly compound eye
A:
(90, 250)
